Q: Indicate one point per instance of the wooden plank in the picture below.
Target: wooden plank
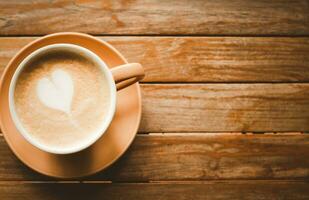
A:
(225, 107)
(205, 59)
(191, 157)
(200, 17)
(260, 190)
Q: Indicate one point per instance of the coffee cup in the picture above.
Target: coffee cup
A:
(62, 97)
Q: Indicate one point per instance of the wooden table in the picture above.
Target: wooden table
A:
(225, 99)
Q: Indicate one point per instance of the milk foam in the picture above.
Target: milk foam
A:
(56, 92)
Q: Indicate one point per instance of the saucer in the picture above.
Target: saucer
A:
(103, 152)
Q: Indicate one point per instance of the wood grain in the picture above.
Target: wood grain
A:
(142, 17)
(205, 59)
(191, 157)
(263, 87)
(257, 190)
(224, 107)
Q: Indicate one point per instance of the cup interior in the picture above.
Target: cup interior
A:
(44, 51)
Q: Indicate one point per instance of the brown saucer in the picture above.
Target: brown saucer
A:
(101, 154)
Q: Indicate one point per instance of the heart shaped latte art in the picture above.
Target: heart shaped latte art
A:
(57, 91)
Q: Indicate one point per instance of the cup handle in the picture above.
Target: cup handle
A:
(127, 74)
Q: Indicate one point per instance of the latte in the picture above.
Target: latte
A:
(61, 98)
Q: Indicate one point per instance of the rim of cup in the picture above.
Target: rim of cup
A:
(112, 105)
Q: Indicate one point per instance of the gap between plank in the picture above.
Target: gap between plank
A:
(230, 82)
(158, 182)
(170, 35)
(218, 83)
(214, 133)
(220, 133)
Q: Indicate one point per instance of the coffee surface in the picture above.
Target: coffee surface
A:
(61, 99)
